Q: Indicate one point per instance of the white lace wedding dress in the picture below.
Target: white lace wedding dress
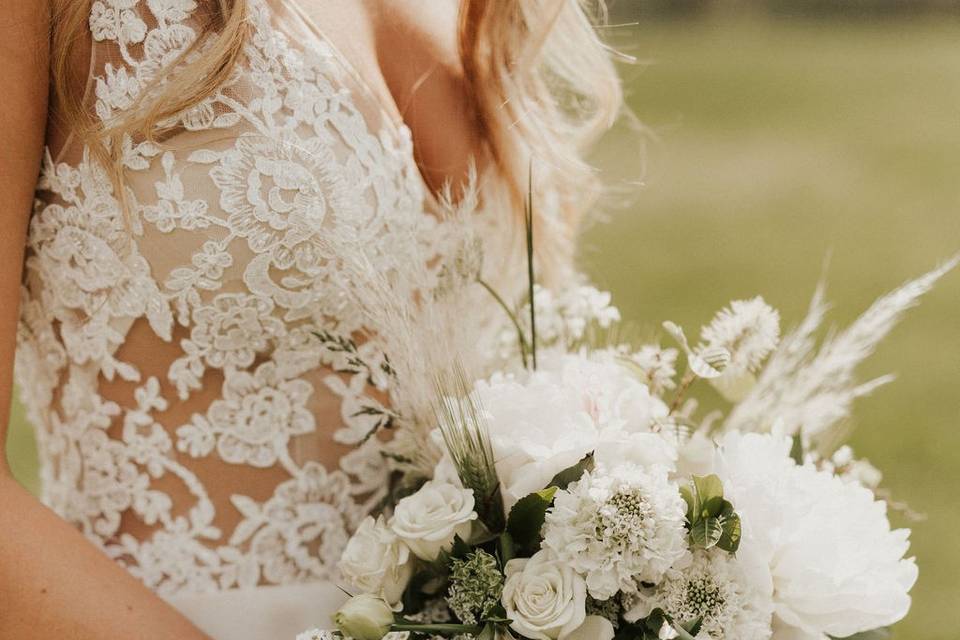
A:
(188, 420)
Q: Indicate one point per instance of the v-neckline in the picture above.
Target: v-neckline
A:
(390, 114)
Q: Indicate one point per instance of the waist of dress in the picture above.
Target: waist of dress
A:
(272, 612)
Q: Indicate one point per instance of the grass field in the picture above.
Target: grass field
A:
(778, 144)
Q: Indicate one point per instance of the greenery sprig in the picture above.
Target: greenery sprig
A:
(711, 519)
(466, 436)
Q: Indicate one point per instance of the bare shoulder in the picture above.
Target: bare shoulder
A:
(417, 49)
(428, 28)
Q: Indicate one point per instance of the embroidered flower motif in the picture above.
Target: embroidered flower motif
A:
(93, 271)
(232, 330)
(258, 414)
(171, 10)
(116, 20)
(172, 208)
(301, 531)
(80, 252)
(171, 560)
(227, 334)
(117, 90)
(278, 194)
(162, 47)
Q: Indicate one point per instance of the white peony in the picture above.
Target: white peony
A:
(546, 600)
(695, 455)
(618, 528)
(837, 567)
(430, 519)
(376, 561)
(730, 595)
(545, 421)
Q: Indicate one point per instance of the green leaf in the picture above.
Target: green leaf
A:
(508, 550)
(706, 532)
(415, 596)
(708, 487)
(730, 538)
(526, 519)
(713, 507)
(488, 633)
(704, 497)
(572, 474)
(460, 548)
(693, 503)
(682, 633)
(796, 449)
(644, 629)
(693, 626)
(497, 615)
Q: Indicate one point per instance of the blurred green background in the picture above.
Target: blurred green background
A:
(784, 132)
(778, 142)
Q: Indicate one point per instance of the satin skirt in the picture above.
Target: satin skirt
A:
(262, 613)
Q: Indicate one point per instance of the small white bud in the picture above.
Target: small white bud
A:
(364, 617)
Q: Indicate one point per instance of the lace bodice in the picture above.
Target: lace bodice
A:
(189, 420)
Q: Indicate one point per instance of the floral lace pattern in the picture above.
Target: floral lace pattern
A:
(218, 258)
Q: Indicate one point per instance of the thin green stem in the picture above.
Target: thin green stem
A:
(436, 628)
(685, 383)
(513, 318)
(528, 217)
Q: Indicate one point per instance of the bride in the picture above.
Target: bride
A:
(184, 345)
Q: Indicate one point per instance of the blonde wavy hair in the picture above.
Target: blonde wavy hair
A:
(542, 82)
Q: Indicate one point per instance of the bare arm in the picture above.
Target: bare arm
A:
(53, 582)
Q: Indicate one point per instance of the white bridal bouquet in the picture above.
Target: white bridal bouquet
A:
(578, 493)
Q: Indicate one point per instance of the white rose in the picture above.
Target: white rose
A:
(376, 561)
(546, 600)
(430, 519)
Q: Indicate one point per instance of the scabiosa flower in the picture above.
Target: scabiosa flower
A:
(749, 331)
(715, 588)
(476, 584)
(618, 528)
